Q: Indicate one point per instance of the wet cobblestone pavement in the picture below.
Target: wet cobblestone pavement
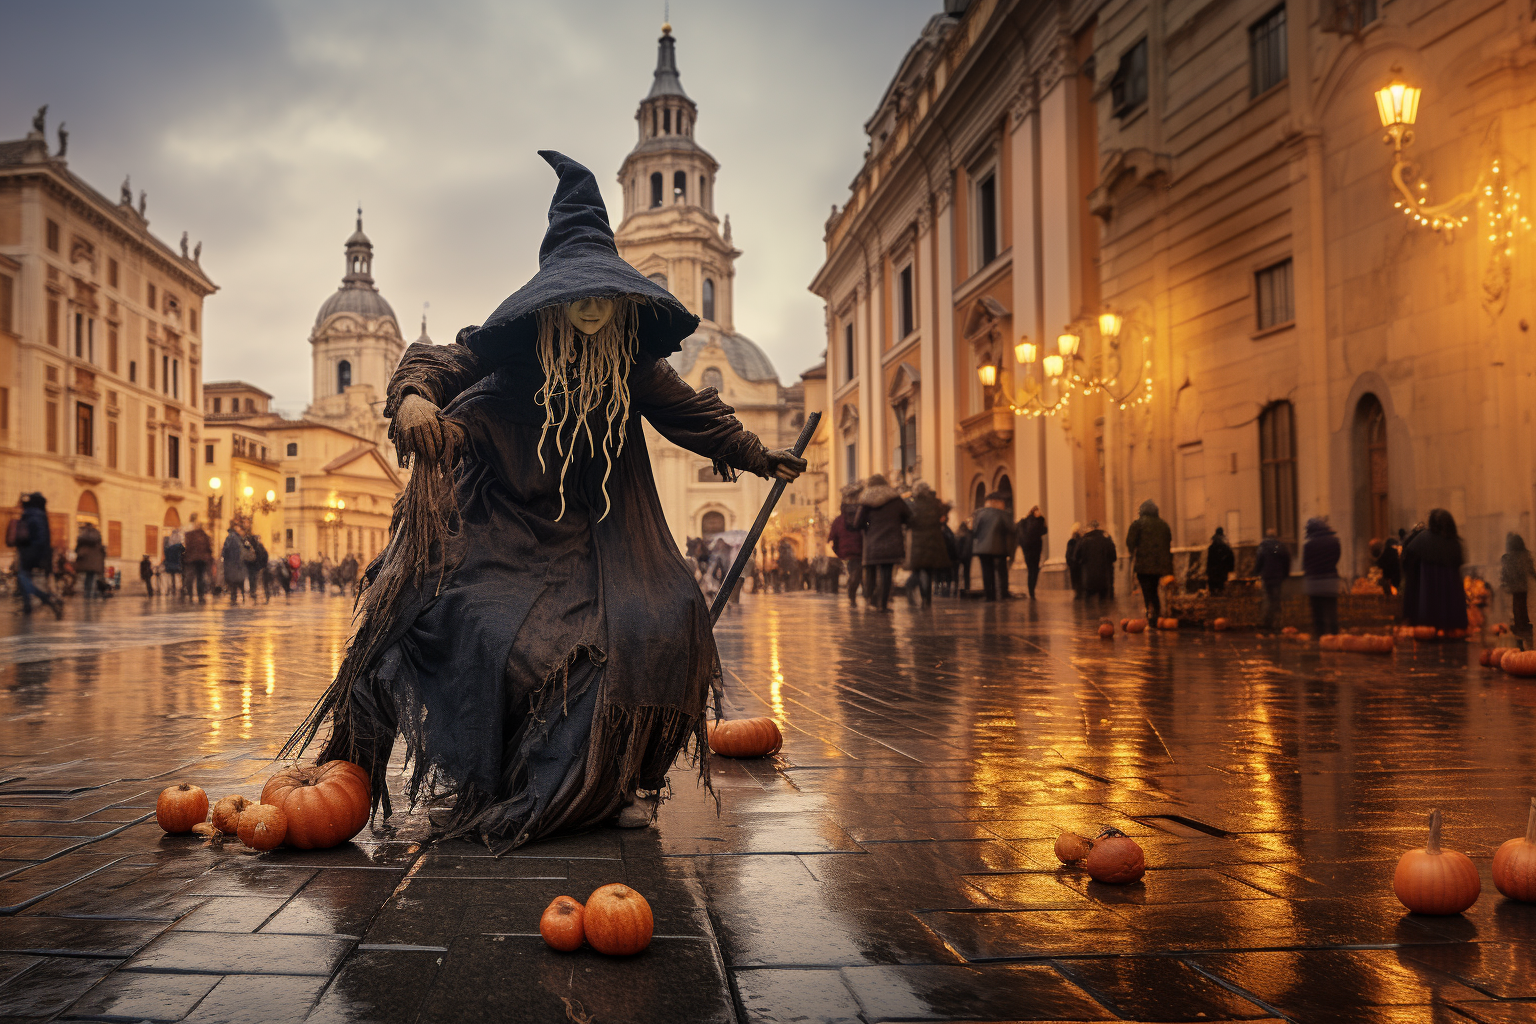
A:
(894, 863)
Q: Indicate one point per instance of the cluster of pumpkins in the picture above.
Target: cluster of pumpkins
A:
(615, 920)
(1107, 628)
(1113, 857)
(1511, 659)
(1360, 644)
(1434, 880)
(310, 807)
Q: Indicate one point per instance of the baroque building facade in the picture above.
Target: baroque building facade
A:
(101, 355)
(671, 233)
(1192, 209)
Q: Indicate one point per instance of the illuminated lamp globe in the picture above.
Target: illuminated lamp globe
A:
(1067, 344)
(1054, 365)
(1110, 324)
(215, 482)
(987, 374)
(341, 504)
(1027, 352)
(271, 495)
(250, 491)
(1398, 104)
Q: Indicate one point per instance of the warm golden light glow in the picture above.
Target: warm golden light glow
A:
(341, 504)
(987, 374)
(215, 482)
(1397, 104)
(271, 495)
(1067, 344)
(1027, 352)
(1054, 365)
(1110, 324)
(250, 491)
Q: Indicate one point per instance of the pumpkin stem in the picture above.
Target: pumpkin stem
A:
(1434, 832)
(1530, 824)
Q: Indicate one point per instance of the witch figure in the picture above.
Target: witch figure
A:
(531, 631)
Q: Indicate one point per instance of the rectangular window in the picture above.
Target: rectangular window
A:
(293, 449)
(1272, 288)
(149, 455)
(165, 375)
(192, 320)
(289, 534)
(53, 236)
(152, 541)
(90, 340)
(111, 273)
(51, 427)
(5, 408)
(986, 217)
(111, 444)
(1277, 470)
(208, 454)
(1266, 51)
(7, 304)
(85, 429)
(176, 378)
(290, 484)
(905, 315)
(848, 353)
(112, 349)
(79, 335)
(53, 322)
(149, 297)
(133, 371)
(851, 460)
(173, 457)
(1128, 89)
(114, 539)
(1347, 17)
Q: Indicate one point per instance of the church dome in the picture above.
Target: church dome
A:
(357, 293)
(747, 360)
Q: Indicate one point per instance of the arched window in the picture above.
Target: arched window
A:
(980, 497)
(680, 187)
(656, 183)
(1005, 488)
(660, 279)
(712, 523)
(709, 299)
(1277, 469)
(707, 475)
(713, 378)
(703, 193)
(172, 519)
(1372, 493)
(343, 376)
(293, 449)
(666, 121)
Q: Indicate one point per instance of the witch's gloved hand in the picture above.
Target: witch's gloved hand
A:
(418, 429)
(785, 464)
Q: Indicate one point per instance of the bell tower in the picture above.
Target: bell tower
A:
(670, 232)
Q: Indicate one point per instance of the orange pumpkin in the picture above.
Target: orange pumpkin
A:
(1436, 881)
(1220, 625)
(1491, 657)
(561, 926)
(618, 920)
(1452, 634)
(1331, 642)
(1135, 625)
(1166, 581)
(1289, 631)
(263, 826)
(1514, 865)
(1116, 858)
(1106, 630)
(1071, 847)
(1519, 663)
(1378, 645)
(178, 808)
(226, 813)
(326, 804)
(1424, 633)
(745, 737)
(1167, 623)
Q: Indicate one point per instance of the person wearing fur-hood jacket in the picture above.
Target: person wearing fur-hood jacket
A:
(881, 516)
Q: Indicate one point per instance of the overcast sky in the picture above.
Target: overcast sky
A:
(259, 126)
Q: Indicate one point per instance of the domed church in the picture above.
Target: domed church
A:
(671, 234)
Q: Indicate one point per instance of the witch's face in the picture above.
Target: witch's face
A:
(590, 315)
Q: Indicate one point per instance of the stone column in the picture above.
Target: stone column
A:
(929, 311)
(948, 420)
(1028, 313)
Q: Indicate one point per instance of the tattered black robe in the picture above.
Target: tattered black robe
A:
(546, 662)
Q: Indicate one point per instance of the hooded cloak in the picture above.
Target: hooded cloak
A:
(538, 657)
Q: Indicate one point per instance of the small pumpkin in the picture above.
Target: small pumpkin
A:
(617, 920)
(745, 737)
(1167, 581)
(561, 925)
(1330, 642)
(1424, 634)
(1071, 847)
(1168, 623)
(1434, 880)
(178, 808)
(1451, 634)
(1379, 645)
(326, 804)
(1220, 625)
(1519, 663)
(1289, 631)
(1491, 656)
(1514, 865)
(1116, 858)
(263, 826)
(1135, 625)
(226, 813)
(1106, 630)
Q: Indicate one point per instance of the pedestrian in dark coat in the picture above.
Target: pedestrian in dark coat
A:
(1095, 556)
(1031, 534)
(233, 557)
(1437, 552)
(34, 551)
(881, 516)
(147, 575)
(1074, 576)
(1390, 562)
(174, 550)
(1320, 567)
(90, 558)
(992, 543)
(1273, 564)
(927, 553)
(1219, 561)
(848, 543)
(1410, 563)
(964, 545)
(1149, 545)
(199, 560)
(1516, 570)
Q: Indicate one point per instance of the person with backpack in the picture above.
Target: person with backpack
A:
(29, 535)
(233, 556)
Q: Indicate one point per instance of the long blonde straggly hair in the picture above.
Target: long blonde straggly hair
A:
(583, 374)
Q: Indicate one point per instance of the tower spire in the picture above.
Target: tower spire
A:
(666, 82)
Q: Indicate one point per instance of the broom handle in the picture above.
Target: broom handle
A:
(745, 554)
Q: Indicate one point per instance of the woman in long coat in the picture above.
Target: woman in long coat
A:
(532, 630)
(882, 514)
(1441, 600)
(927, 552)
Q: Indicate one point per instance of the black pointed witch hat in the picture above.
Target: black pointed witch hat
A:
(579, 260)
